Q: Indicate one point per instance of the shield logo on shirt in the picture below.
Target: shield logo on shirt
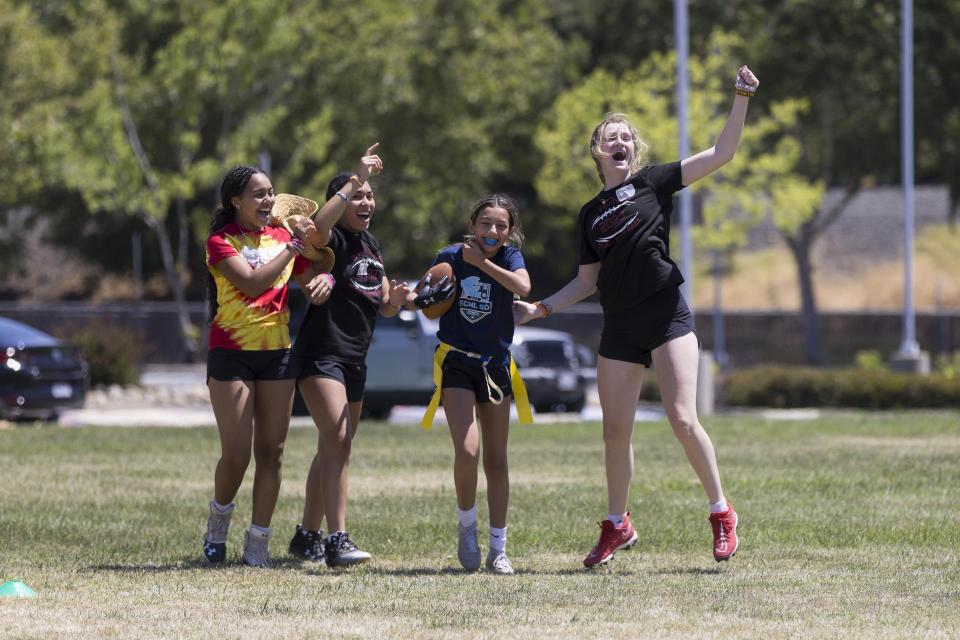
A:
(475, 301)
(626, 192)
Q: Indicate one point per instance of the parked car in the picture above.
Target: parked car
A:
(40, 376)
(400, 365)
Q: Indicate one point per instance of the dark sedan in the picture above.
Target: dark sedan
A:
(40, 376)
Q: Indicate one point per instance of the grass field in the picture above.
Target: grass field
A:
(850, 527)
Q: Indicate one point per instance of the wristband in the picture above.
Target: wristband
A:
(741, 92)
(547, 309)
(355, 179)
(341, 196)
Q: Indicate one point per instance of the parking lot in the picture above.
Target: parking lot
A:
(176, 396)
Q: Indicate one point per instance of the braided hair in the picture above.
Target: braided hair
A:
(232, 186)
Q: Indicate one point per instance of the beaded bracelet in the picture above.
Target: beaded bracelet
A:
(297, 245)
(547, 309)
(341, 196)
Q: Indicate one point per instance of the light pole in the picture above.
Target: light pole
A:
(908, 357)
(705, 381)
(686, 202)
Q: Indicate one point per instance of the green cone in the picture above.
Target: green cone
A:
(16, 589)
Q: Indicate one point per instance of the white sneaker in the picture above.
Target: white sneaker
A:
(256, 552)
(215, 540)
(498, 563)
(468, 550)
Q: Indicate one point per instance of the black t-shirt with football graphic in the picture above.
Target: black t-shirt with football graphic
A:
(341, 329)
(627, 230)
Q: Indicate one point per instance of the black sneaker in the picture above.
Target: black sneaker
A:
(342, 552)
(308, 545)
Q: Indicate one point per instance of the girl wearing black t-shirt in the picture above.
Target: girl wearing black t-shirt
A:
(624, 256)
(330, 351)
(476, 372)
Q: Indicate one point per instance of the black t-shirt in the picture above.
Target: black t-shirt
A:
(627, 230)
(341, 329)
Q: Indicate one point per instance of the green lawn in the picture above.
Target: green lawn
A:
(850, 527)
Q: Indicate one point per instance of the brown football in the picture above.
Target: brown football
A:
(436, 273)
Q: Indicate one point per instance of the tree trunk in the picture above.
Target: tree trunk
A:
(187, 330)
(183, 231)
(800, 246)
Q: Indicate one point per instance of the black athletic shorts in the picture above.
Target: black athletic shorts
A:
(460, 375)
(236, 364)
(631, 336)
(351, 375)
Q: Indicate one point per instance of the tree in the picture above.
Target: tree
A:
(37, 73)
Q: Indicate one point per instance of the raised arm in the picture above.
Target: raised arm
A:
(708, 161)
(328, 215)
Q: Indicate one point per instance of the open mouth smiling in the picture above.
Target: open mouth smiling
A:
(619, 156)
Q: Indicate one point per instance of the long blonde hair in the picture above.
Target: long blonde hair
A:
(639, 144)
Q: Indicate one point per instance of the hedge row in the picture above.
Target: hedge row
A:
(784, 387)
(112, 352)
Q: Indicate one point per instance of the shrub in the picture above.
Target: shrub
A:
(112, 351)
(783, 387)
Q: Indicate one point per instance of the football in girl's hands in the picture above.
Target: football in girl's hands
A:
(436, 291)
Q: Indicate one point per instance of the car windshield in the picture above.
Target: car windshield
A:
(13, 332)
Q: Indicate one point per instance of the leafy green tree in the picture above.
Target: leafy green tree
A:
(37, 73)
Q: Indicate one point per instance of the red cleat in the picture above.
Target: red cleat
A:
(612, 539)
(725, 541)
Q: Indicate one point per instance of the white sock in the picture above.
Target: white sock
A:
(617, 519)
(498, 538)
(467, 517)
(718, 507)
(222, 508)
(260, 532)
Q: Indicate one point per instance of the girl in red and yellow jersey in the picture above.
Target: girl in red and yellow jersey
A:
(249, 375)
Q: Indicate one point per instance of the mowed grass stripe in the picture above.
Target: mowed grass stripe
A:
(850, 528)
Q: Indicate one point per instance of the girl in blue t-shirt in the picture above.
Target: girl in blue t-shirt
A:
(474, 372)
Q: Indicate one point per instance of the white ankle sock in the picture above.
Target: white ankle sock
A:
(718, 507)
(222, 508)
(498, 538)
(467, 517)
(260, 532)
(617, 519)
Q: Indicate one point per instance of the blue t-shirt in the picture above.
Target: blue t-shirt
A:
(481, 319)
